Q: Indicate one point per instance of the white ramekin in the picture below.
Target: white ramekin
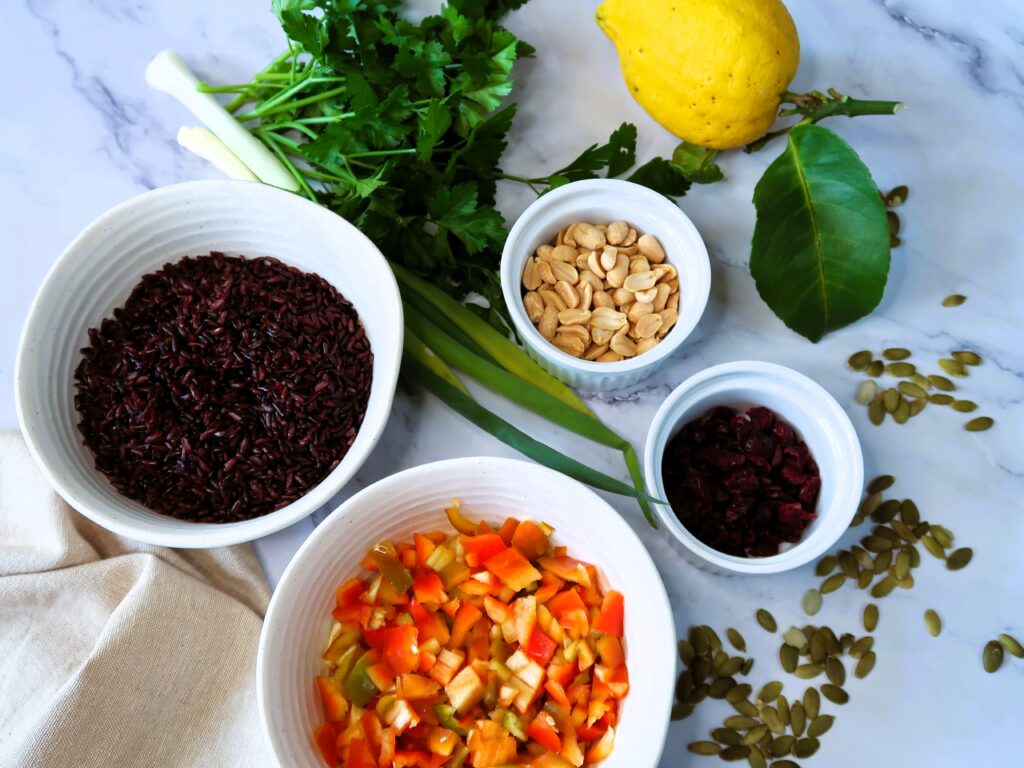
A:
(97, 272)
(601, 201)
(299, 618)
(817, 418)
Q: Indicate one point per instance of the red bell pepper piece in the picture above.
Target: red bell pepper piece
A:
(480, 548)
(357, 613)
(349, 592)
(540, 647)
(610, 650)
(430, 625)
(388, 739)
(326, 741)
(429, 589)
(398, 646)
(424, 547)
(467, 616)
(542, 730)
(609, 620)
(513, 569)
(567, 600)
(359, 755)
(557, 692)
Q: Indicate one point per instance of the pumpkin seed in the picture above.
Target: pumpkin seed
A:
(747, 666)
(886, 511)
(934, 548)
(701, 669)
(781, 746)
(964, 406)
(915, 556)
(864, 560)
(941, 534)
(959, 558)
(817, 648)
(876, 543)
(826, 565)
(699, 641)
(896, 353)
(811, 702)
(681, 712)
(756, 759)
(952, 367)
(805, 747)
(909, 388)
(766, 620)
(941, 382)
(782, 705)
(909, 513)
(907, 582)
(1011, 644)
(875, 368)
(744, 707)
(820, 725)
(834, 693)
(797, 719)
(967, 358)
(870, 617)
(904, 532)
(739, 722)
(940, 399)
(921, 381)
(884, 587)
(865, 392)
(835, 671)
(734, 753)
(788, 657)
(876, 413)
(736, 639)
(704, 748)
(902, 566)
(865, 578)
(932, 622)
(901, 370)
(726, 736)
(686, 652)
(886, 533)
(891, 399)
(832, 583)
(713, 639)
(992, 656)
(731, 666)
(808, 671)
(785, 764)
(882, 562)
(771, 718)
(858, 361)
(869, 505)
(902, 414)
(916, 406)
(755, 734)
(795, 638)
(770, 691)
(865, 665)
(720, 687)
(954, 300)
(684, 685)
(849, 564)
(812, 602)
(979, 424)
(718, 660)
(861, 646)
(699, 693)
(893, 220)
(832, 644)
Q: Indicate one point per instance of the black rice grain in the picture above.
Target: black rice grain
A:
(224, 388)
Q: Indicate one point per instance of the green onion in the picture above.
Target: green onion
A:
(415, 347)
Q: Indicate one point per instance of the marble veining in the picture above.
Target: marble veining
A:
(81, 132)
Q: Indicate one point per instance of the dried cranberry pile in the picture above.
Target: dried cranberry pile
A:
(224, 388)
(741, 483)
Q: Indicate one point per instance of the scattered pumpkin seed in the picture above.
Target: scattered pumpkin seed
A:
(747, 666)
(941, 382)
(904, 532)
(934, 548)
(713, 639)
(886, 511)
(964, 406)
(686, 652)
(967, 358)
(875, 368)
(954, 300)
(781, 746)
(881, 483)
(979, 424)
(699, 641)
(788, 658)
(782, 705)
(739, 722)
(865, 664)
(921, 381)
(902, 566)
(940, 399)
(865, 578)
(882, 562)
(915, 555)
(808, 671)
(870, 504)
(681, 712)
(704, 747)
(770, 691)
(876, 413)
(1012, 645)
(772, 719)
(858, 361)
(817, 648)
(735, 752)
(795, 637)
(835, 694)
(902, 414)
(797, 719)
(932, 622)
(891, 399)
(909, 513)
(720, 687)
(901, 370)
(835, 671)
(909, 388)
(755, 734)
(941, 534)
(744, 707)
(785, 764)
(811, 702)
(870, 617)
(832, 583)
(726, 736)
(736, 639)
(849, 564)
(820, 725)
(959, 558)
(876, 543)
(812, 602)
(731, 666)
(766, 620)
(826, 565)
(863, 558)
(916, 406)
(992, 656)
(896, 353)
(805, 747)
(866, 392)
(884, 587)
(952, 367)
(756, 758)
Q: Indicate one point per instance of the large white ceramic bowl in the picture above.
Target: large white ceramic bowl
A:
(600, 201)
(97, 272)
(298, 621)
(817, 418)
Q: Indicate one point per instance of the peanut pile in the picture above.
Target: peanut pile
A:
(601, 291)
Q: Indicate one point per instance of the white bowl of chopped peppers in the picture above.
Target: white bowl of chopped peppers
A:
(216, 389)
(386, 634)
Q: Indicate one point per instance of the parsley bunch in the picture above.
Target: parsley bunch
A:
(400, 128)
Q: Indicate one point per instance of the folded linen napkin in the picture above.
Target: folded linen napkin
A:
(117, 653)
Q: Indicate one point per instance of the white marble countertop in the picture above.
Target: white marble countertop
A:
(81, 132)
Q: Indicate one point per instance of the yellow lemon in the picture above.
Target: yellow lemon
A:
(710, 71)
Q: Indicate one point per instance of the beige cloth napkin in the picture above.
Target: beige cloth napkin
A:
(116, 653)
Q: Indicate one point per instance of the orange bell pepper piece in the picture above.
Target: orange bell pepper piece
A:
(508, 529)
(424, 547)
(359, 755)
(567, 600)
(467, 616)
(349, 592)
(482, 547)
(428, 588)
(430, 625)
(335, 703)
(610, 650)
(459, 523)
(513, 569)
(326, 741)
(398, 646)
(610, 618)
(542, 730)
(568, 569)
(530, 540)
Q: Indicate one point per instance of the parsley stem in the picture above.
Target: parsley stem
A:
(280, 101)
(306, 189)
(383, 152)
(241, 99)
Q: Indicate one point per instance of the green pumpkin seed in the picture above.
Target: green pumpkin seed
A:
(834, 693)
(932, 622)
(788, 657)
(858, 361)
(826, 565)
(1012, 645)
(734, 753)
(886, 533)
(782, 705)
(684, 685)
(726, 736)
(795, 638)
(875, 368)
(699, 641)
(876, 413)
(864, 560)
(882, 562)
(849, 564)
(808, 671)
(940, 399)
(865, 665)
(805, 747)
(832, 644)
(901, 568)
(934, 548)
(766, 620)
(967, 358)
(964, 406)
(902, 414)
(747, 666)
(744, 707)
(870, 617)
(865, 579)
(900, 370)
(719, 659)
(770, 691)
(713, 639)
(699, 693)
(704, 748)
(979, 424)
(681, 712)
(736, 639)
(954, 300)
(909, 513)
(907, 582)
(832, 583)
(941, 534)
(771, 718)
(732, 666)
(915, 556)
(921, 381)
(896, 353)
(909, 388)
(812, 702)
(952, 367)
(755, 734)
(876, 543)
(817, 648)
(959, 558)
(756, 759)
(904, 532)
(865, 392)
(886, 511)
(785, 764)
(992, 656)
(884, 587)
(916, 406)
(812, 602)
(739, 722)
(797, 719)
(820, 725)
(701, 669)
(720, 687)
(686, 652)
(891, 399)
(941, 382)
(781, 746)
(835, 671)
(881, 483)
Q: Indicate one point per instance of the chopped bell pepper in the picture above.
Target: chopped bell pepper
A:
(424, 547)
(542, 730)
(454, 574)
(567, 569)
(566, 600)
(513, 569)
(326, 741)
(335, 703)
(398, 647)
(600, 750)
(349, 592)
(525, 618)
(359, 688)
(344, 640)
(540, 647)
(381, 675)
(446, 717)
(412, 687)
(530, 540)
(467, 616)
(610, 650)
(459, 523)
(508, 530)
(482, 547)
(610, 618)
(391, 569)
(430, 625)
(428, 589)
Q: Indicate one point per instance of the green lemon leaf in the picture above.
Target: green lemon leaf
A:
(697, 163)
(820, 253)
(661, 176)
